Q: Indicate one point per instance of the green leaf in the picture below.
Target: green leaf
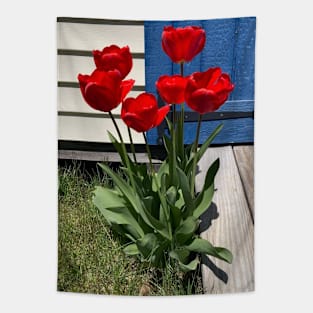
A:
(147, 245)
(203, 246)
(115, 211)
(119, 148)
(206, 144)
(182, 255)
(176, 216)
(164, 182)
(204, 201)
(191, 266)
(186, 230)
(180, 202)
(204, 198)
(171, 195)
(184, 185)
(135, 202)
(167, 143)
(202, 149)
(164, 168)
(131, 249)
(107, 198)
(126, 190)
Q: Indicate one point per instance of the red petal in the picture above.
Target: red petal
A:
(101, 98)
(202, 101)
(172, 88)
(195, 42)
(126, 87)
(136, 122)
(161, 115)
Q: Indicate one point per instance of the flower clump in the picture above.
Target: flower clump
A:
(159, 212)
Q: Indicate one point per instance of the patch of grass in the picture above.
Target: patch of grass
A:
(90, 256)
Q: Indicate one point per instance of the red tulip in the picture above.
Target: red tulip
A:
(182, 44)
(172, 88)
(104, 91)
(207, 91)
(114, 58)
(142, 113)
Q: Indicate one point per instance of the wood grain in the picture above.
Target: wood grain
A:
(100, 156)
(245, 162)
(229, 225)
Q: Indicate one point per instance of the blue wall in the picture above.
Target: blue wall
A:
(230, 44)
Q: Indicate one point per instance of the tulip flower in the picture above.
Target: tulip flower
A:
(103, 90)
(142, 113)
(114, 58)
(207, 91)
(172, 88)
(182, 44)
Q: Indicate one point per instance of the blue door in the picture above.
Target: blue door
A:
(230, 44)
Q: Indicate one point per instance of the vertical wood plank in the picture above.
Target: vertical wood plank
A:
(245, 161)
(229, 225)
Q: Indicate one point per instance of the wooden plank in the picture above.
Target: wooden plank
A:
(227, 223)
(240, 130)
(70, 66)
(101, 156)
(245, 162)
(79, 36)
(71, 100)
(93, 129)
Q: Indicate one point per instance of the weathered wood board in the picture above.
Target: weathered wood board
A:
(245, 162)
(227, 223)
(101, 156)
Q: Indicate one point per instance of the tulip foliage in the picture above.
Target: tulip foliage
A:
(159, 212)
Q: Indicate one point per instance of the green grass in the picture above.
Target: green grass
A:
(90, 256)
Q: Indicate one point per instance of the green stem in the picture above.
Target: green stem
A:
(163, 201)
(124, 150)
(195, 156)
(132, 144)
(182, 113)
(149, 155)
(174, 115)
(116, 127)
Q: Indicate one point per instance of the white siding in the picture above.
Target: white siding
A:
(76, 120)
(92, 129)
(71, 100)
(69, 66)
(93, 36)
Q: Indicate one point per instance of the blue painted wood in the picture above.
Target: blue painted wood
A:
(234, 131)
(230, 44)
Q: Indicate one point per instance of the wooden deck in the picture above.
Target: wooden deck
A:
(229, 221)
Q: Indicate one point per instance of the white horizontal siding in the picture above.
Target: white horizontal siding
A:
(94, 36)
(92, 129)
(70, 66)
(71, 100)
(88, 37)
